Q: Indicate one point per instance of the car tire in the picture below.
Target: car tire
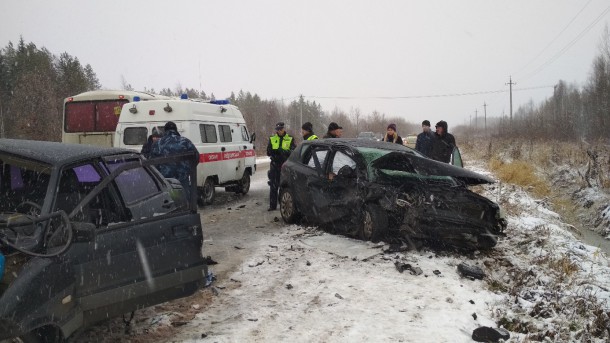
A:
(288, 208)
(244, 184)
(43, 335)
(206, 193)
(374, 223)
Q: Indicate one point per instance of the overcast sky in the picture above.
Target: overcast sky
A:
(358, 49)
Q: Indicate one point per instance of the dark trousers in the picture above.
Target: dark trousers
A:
(274, 184)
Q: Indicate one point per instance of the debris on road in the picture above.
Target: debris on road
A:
(472, 272)
(209, 261)
(487, 334)
(289, 286)
(337, 295)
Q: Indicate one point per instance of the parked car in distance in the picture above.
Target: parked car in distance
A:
(410, 140)
(367, 135)
(372, 190)
(89, 233)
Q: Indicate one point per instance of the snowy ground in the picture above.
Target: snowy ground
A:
(541, 283)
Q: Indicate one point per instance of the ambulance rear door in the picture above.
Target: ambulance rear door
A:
(210, 153)
(229, 137)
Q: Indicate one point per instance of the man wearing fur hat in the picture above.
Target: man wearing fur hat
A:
(391, 135)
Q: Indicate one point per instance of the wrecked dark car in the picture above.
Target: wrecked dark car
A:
(89, 233)
(373, 190)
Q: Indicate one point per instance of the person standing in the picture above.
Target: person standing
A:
(391, 135)
(307, 132)
(279, 148)
(334, 131)
(172, 143)
(424, 139)
(147, 147)
(443, 143)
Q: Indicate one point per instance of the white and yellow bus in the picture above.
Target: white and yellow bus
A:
(92, 117)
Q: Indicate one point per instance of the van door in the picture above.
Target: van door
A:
(230, 151)
(210, 154)
(248, 155)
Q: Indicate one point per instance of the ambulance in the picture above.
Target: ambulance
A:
(217, 128)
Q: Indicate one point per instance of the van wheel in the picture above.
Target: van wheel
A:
(244, 184)
(207, 193)
(288, 208)
(374, 223)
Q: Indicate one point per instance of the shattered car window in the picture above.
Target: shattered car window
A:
(321, 154)
(342, 159)
(134, 184)
(22, 181)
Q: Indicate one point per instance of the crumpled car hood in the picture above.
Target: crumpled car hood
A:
(427, 167)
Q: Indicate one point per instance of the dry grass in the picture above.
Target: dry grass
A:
(520, 173)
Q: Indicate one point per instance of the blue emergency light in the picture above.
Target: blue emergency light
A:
(184, 96)
(1, 266)
(136, 98)
(220, 102)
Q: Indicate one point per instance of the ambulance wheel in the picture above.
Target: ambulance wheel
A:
(244, 184)
(207, 192)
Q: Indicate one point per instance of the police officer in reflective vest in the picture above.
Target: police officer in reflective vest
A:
(280, 146)
(307, 132)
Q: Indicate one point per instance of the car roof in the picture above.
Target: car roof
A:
(359, 143)
(55, 153)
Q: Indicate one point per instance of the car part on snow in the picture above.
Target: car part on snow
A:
(473, 272)
(487, 334)
(401, 267)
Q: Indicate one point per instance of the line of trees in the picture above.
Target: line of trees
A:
(33, 84)
(572, 113)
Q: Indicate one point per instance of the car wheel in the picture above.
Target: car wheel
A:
(374, 223)
(42, 335)
(207, 192)
(288, 207)
(244, 184)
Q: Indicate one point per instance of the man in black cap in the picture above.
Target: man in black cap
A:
(424, 139)
(307, 132)
(334, 131)
(443, 143)
(279, 148)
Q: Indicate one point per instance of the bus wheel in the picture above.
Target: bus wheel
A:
(206, 193)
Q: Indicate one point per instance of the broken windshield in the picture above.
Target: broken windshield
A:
(22, 181)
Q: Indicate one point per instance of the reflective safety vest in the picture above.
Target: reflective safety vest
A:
(312, 137)
(275, 142)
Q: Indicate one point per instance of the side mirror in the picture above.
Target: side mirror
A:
(253, 137)
(347, 172)
(83, 232)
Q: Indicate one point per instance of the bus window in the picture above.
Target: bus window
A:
(108, 114)
(135, 136)
(93, 116)
(80, 117)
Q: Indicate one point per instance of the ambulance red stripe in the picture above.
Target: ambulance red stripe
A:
(224, 156)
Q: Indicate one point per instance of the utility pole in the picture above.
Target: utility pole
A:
(475, 119)
(485, 110)
(511, 83)
(301, 113)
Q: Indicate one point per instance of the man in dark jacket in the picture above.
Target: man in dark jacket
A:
(147, 147)
(307, 132)
(279, 148)
(442, 143)
(171, 144)
(424, 139)
(334, 131)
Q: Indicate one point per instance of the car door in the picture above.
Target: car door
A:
(136, 253)
(339, 192)
(309, 180)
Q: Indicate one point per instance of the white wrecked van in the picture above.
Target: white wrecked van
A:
(218, 130)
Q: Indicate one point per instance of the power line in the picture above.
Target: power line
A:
(569, 45)
(423, 96)
(554, 39)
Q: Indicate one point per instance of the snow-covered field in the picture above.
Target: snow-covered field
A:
(304, 285)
